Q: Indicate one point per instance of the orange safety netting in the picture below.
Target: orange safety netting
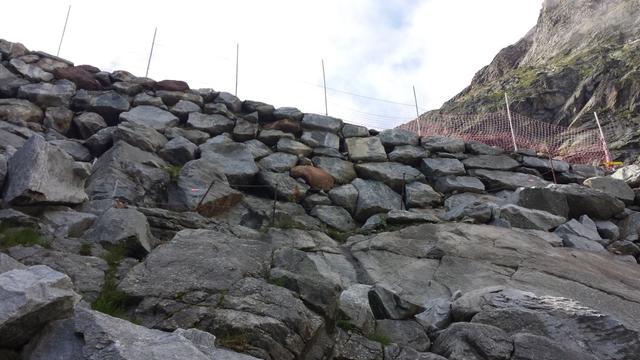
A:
(577, 146)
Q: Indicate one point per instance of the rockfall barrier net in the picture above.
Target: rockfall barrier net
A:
(576, 146)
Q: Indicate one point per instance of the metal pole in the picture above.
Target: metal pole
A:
(153, 42)
(64, 29)
(237, 58)
(275, 203)
(513, 135)
(605, 147)
(415, 99)
(324, 82)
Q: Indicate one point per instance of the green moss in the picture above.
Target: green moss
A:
(85, 249)
(234, 340)
(111, 300)
(337, 235)
(174, 172)
(277, 281)
(345, 325)
(13, 236)
(220, 302)
(379, 338)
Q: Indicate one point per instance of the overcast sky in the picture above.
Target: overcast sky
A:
(377, 49)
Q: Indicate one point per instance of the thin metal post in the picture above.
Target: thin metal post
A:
(237, 59)
(324, 82)
(275, 203)
(605, 147)
(64, 29)
(153, 42)
(513, 135)
(415, 99)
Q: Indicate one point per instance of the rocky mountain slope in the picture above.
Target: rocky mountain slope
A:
(143, 219)
(582, 56)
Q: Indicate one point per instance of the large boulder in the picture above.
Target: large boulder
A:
(213, 124)
(41, 173)
(30, 71)
(345, 196)
(545, 165)
(542, 199)
(278, 162)
(421, 195)
(629, 174)
(612, 186)
(46, 94)
(443, 144)
(10, 82)
(506, 180)
(19, 112)
(150, 116)
(491, 162)
(470, 341)
(342, 171)
(318, 138)
(334, 216)
(234, 159)
(29, 299)
(283, 186)
(453, 184)
(108, 104)
(366, 149)
(89, 123)
(178, 151)
(374, 197)
(524, 218)
(127, 228)
(408, 154)
(322, 123)
(586, 201)
(439, 167)
(79, 76)
(317, 178)
(394, 137)
(293, 147)
(395, 175)
(140, 136)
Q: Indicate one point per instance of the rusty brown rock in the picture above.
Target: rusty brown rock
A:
(171, 85)
(80, 76)
(286, 125)
(315, 177)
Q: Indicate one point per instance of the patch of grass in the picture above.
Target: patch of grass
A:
(85, 249)
(281, 282)
(13, 236)
(345, 325)
(379, 338)
(337, 235)
(174, 172)
(233, 340)
(111, 300)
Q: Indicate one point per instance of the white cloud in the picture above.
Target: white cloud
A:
(376, 48)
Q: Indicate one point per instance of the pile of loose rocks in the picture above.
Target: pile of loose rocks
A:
(291, 235)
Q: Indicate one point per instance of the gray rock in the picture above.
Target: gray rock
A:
(375, 222)
(419, 195)
(436, 316)
(394, 175)
(293, 147)
(86, 272)
(31, 298)
(343, 172)
(408, 154)
(353, 304)
(585, 201)
(123, 227)
(183, 108)
(178, 151)
(345, 196)
(75, 149)
(19, 112)
(231, 101)
(462, 199)
(212, 124)
(57, 340)
(406, 333)
(410, 217)
(283, 186)
(580, 243)
(31, 71)
(386, 304)
(491, 162)
(478, 148)
(279, 162)
(396, 352)
(443, 144)
(352, 346)
(146, 99)
(529, 347)
(195, 178)
(315, 200)
(368, 149)
(317, 138)
(322, 123)
(394, 137)
(350, 130)
(271, 137)
(334, 216)
(130, 175)
(612, 186)
(329, 152)
(68, 222)
(585, 229)
(245, 130)
(41, 173)
(172, 97)
(234, 159)
(499, 180)
(7, 263)
(525, 218)
(9, 82)
(374, 197)
(257, 149)
(46, 94)
(195, 136)
(608, 230)
(470, 341)
(290, 113)
(629, 174)
(437, 167)
(452, 184)
(624, 247)
(545, 164)
(542, 199)
(140, 136)
(108, 104)
(478, 211)
(150, 116)
(630, 226)
(586, 171)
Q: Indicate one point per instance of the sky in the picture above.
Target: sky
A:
(374, 51)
